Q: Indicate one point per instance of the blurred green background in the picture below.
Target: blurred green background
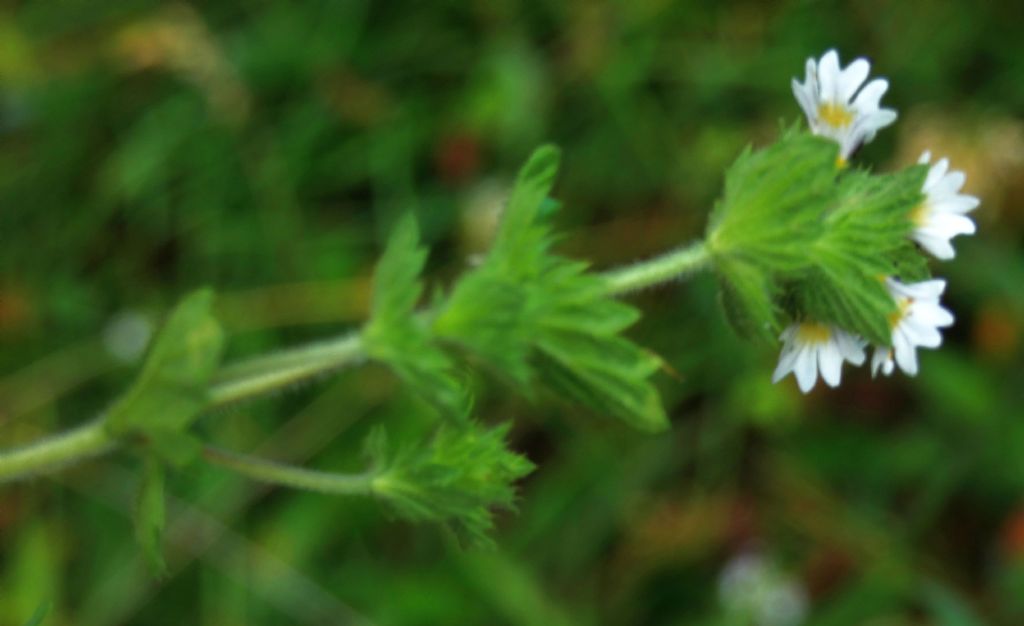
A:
(264, 148)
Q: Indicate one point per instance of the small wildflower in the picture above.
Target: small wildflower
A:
(756, 592)
(127, 335)
(942, 214)
(915, 324)
(810, 347)
(838, 107)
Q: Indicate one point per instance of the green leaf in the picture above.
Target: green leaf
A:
(171, 390)
(840, 293)
(582, 353)
(488, 312)
(866, 233)
(521, 244)
(749, 297)
(400, 338)
(793, 236)
(397, 287)
(773, 203)
(760, 231)
(456, 479)
(534, 315)
(911, 266)
(150, 515)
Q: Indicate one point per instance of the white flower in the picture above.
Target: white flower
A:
(915, 324)
(127, 335)
(941, 216)
(754, 591)
(810, 347)
(827, 98)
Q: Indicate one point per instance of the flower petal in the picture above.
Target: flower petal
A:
(959, 204)
(830, 363)
(938, 247)
(880, 359)
(828, 76)
(906, 354)
(806, 368)
(786, 360)
(935, 174)
(871, 95)
(851, 78)
(850, 347)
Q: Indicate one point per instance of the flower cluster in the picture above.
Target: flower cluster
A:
(839, 105)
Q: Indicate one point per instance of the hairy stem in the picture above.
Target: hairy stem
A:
(673, 265)
(289, 475)
(51, 453)
(262, 375)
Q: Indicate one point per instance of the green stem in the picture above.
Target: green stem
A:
(279, 370)
(49, 454)
(672, 265)
(289, 475)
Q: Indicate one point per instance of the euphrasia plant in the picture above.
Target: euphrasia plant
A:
(808, 248)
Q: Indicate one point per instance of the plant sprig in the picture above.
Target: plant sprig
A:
(794, 237)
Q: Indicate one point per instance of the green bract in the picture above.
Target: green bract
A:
(795, 237)
(535, 315)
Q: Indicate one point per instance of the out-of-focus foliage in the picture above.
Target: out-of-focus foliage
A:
(268, 149)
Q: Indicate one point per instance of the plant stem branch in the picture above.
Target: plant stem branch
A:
(290, 475)
(48, 454)
(280, 370)
(673, 265)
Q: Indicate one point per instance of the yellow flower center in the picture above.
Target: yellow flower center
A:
(919, 216)
(835, 115)
(813, 332)
(897, 316)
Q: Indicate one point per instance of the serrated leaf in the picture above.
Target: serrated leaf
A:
(522, 240)
(397, 288)
(398, 337)
(171, 389)
(770, 213)
(456, 479)
(536, 316)
(748, 297)
(773, 203)
(869, 220)
(840, 294)
(150, 515)
(583, 354)
(791, 234)
(865, 231)
(911, 266)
